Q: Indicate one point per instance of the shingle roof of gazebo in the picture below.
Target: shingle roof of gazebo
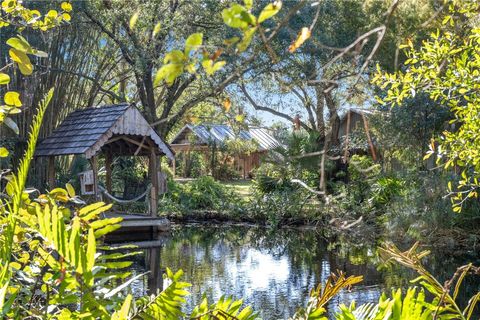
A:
(86, 131)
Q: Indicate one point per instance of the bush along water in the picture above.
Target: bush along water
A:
(201, 198)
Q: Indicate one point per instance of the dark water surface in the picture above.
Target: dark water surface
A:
(274, 270)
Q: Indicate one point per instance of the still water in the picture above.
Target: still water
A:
(273, 271)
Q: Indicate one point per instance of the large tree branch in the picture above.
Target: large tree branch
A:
(169, 121)
(285, 20)
(305, 99)
(125, 51)
(270, 110)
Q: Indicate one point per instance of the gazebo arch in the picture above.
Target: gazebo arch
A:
(114, 130)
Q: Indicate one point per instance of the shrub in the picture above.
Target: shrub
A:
(224, 172)
(203, 193)
(385, 189)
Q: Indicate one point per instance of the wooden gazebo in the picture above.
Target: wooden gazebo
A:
(113, 130)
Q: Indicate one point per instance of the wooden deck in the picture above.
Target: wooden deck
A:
(146, 244)
(131, 221)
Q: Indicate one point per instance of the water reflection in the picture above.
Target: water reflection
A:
(272, 271)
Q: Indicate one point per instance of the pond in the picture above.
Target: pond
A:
(274, 270)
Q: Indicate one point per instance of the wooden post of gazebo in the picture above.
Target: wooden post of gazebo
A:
(51, 172)
(153, 169)
(108, 172)
(174, 167)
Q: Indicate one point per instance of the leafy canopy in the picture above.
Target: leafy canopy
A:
(446, 68)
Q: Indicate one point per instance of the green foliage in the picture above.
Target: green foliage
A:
(195, 54)
(404, 134)
(281, 207)
(238, 146)
(445, 68)
(385, 189)
(412, 305)
(441, 303)
(226, 308)
(201, 194)
(167, 304)
(320, 296)
(204, 193)
(13, 13)
(362, 167)
(362, 173)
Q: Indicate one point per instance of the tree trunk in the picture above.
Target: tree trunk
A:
(334, 119)
(319, 112)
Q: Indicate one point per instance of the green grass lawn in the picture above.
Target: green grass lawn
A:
(242, 187)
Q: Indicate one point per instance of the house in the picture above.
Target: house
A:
(204, 137)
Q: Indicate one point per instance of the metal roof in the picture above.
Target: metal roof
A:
(219, 133)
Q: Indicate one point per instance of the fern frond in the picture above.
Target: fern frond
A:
(19, 180)
(167, 304)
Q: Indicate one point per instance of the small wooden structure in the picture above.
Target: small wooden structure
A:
(87, 182)
(204, 137)
(114, 130)
(352, 121)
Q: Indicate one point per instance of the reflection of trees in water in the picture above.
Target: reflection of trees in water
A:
(212, 257)
(215, 260)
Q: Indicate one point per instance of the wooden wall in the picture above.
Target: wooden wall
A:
(244, 165)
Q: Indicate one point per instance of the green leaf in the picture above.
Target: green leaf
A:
(59, 191)
(20, 44)
(157, 29)
(93, 210)
(247, 39)
(108, 229)
(66, 17)
(232, 17)
(116, 265)
(210, 67)
(122, 314)
(240, 118)
(12, 98)
(427, 156)
(4, 78)
(74, 245)
(193, 42)
(3, 152)
(248, 4)
(133, 20)
(269, 11)
(231, 41)
(52, 14)
(66, 6)
(174, 56)
(105, 222)
(40, 54)
(22, 60)
(169, 73)
(91, 249)
(70, 190)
